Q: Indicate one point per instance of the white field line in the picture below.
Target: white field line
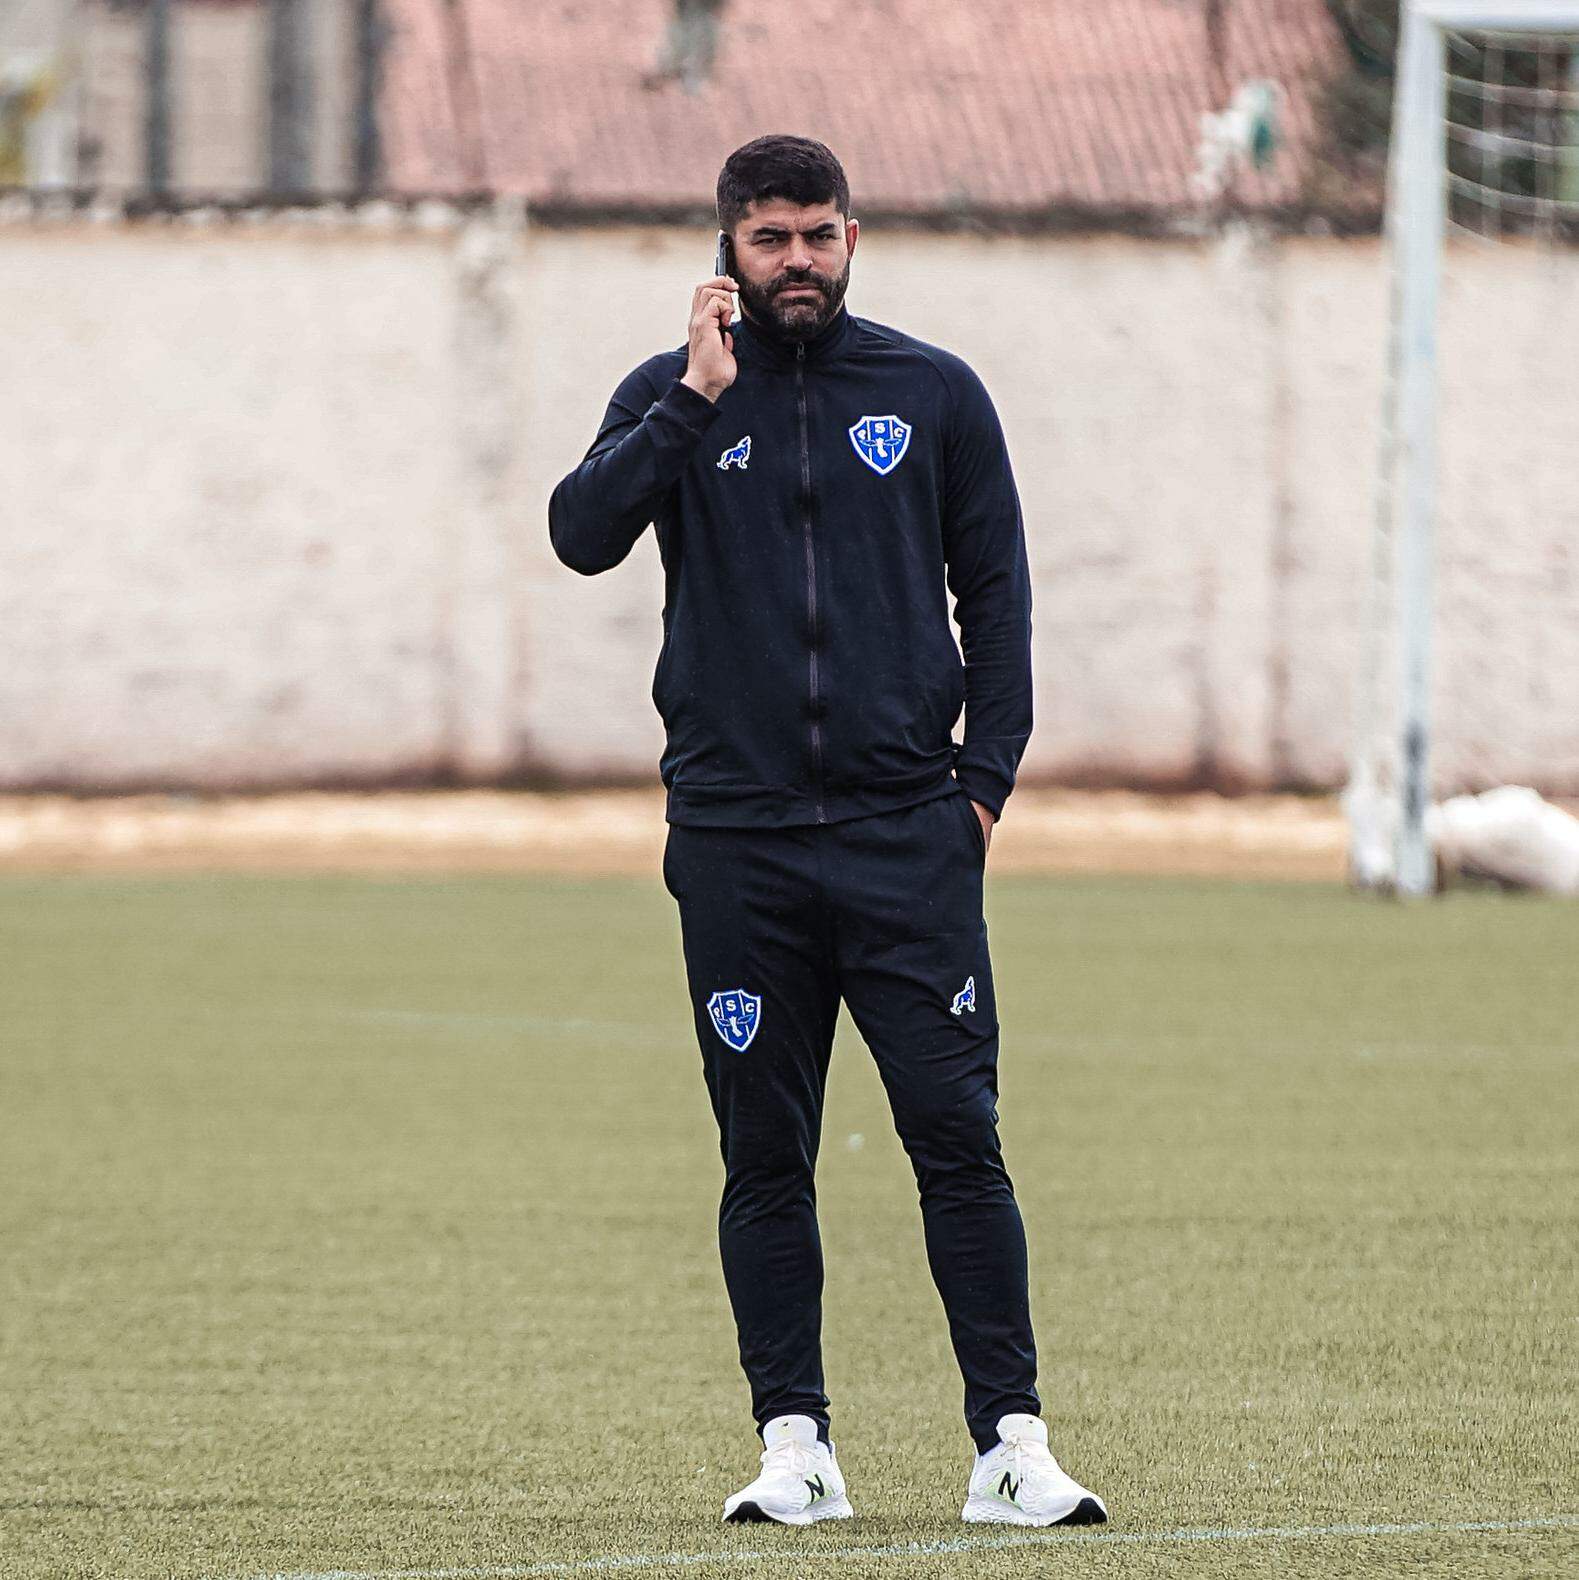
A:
(791, 1553)
(672, 1030)
(554, 1025)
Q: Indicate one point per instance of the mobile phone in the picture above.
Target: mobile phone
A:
(724, 263)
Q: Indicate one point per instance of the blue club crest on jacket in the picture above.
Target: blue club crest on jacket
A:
(881, 442)
(736, 1016)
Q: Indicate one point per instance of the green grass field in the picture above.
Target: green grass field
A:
(367, 1226)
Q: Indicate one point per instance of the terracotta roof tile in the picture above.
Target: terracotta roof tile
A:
(931, 104)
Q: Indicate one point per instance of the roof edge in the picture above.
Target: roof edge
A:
(440, 210)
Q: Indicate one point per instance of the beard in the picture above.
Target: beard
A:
(795, 317)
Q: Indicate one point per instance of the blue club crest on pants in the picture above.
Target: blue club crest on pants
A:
(881, 442)
(736, 1016)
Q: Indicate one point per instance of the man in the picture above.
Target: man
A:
(819, 483)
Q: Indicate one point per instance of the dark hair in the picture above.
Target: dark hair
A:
(794, 168)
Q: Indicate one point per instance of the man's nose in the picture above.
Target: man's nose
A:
(799, 256)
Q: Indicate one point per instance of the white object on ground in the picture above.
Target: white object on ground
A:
(1511, 834)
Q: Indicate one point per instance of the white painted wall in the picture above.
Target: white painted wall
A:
(227, 476)
(273, 497)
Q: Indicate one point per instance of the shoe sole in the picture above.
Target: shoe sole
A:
(989, 1511)
(749, 1513)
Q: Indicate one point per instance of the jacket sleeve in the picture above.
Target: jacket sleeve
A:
(989, 575)
(597, 512)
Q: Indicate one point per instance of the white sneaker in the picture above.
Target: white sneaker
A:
(800, 1481)
(1020, 1483)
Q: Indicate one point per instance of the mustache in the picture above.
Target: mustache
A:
(800, 285)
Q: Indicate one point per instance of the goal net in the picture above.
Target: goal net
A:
(1468, 673)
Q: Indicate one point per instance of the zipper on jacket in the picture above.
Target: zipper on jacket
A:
(811, 577)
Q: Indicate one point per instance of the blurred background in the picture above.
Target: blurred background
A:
(313, 301)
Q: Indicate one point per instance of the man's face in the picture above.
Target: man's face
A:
(792, 264)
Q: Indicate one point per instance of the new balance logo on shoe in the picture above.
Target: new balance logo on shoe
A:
(1018, 1482)
(800, 1484)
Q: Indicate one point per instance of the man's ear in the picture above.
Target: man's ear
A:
(852, 232)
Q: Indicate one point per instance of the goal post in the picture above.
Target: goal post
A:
(1394, 734)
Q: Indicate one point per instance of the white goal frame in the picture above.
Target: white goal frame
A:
(1417, 215)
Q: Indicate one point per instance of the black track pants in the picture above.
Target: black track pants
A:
(885, 912)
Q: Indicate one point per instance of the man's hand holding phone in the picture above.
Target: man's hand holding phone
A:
(711, 368)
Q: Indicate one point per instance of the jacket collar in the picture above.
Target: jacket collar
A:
(761, 345)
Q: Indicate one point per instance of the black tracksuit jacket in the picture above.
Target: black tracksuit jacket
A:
(808, 671)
